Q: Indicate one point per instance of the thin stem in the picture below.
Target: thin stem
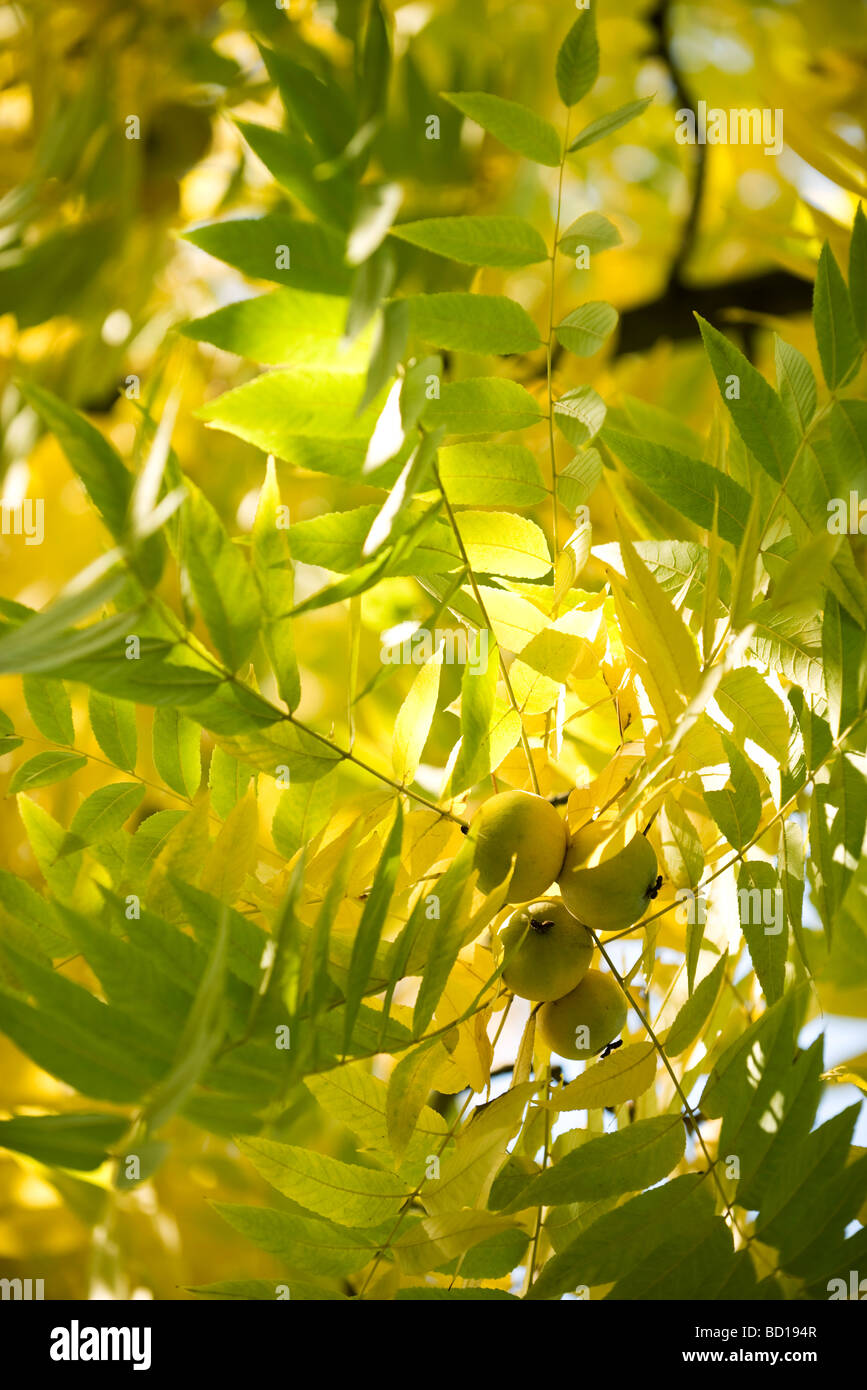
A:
(287, 717)
(525, 742)
(549, 343)
(410, 1199)
(143, 781)
(534, 1250)
(645, 1021)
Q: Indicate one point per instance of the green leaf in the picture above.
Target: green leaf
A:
(757, 411)
(693, 488)
(294, 413)
(149, 840)
(303, 1243)
(77, 1038)
(488, 323)
(336, 541)
(744, 576)
(285, 326)
(849, 442)
(343, 1192)
(223, 586)
(45, 769)
(496, 1256)
(274, 575)
(480, 475)
(72, 1141)
(579, 479)
(46, 838)
(360, 1101)
(483, 405)
(579, 414)
(409, 1086)
(696, 1011)
(755, 710)
(307, 757)
(318, 105)
(114, 727)
(696, 1263)
(791, 643)
(98, 465)
(292, 162)
(635, 1157)
(584, 331)
(203, 1032)
(438, 1240)
(375, 67)
(737, 808)
(805, 1199)
(619, 1240)
(858, 272)
(842, 650)
(390, 338)
(759, 1091)
(105, 811)
(837, 335)
(377, 205)
(606, 125)
(24, 904)
(49, 708)
(370, 928)
(131, 982)
(765, 931)
(578, 59)
(495, 241)
(521, 130)
(265, 1290)
(303, 255)
(302, 812)
(838, 814)
(228, 781)
(795, 383)
(423, 1293)
(591, 231)
(176, 750)
(622, 1075)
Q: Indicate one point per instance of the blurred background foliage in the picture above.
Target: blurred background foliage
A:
(95, 279)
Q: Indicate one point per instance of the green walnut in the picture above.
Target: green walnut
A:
(547, 951)
(613, 894)
(584, 1021)
(524, 825)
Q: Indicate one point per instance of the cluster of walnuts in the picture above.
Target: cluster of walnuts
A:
(547, 946)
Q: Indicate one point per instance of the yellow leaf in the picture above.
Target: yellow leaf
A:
(414, 719)
(671, 633)
(513, 619)
(233, 853)
(623, 1075)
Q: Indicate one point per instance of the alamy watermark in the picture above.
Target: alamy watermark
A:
(847, 516)
(741, 126)
(25, 1290)
(459, 648)
(758, 907)
(25, 519)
